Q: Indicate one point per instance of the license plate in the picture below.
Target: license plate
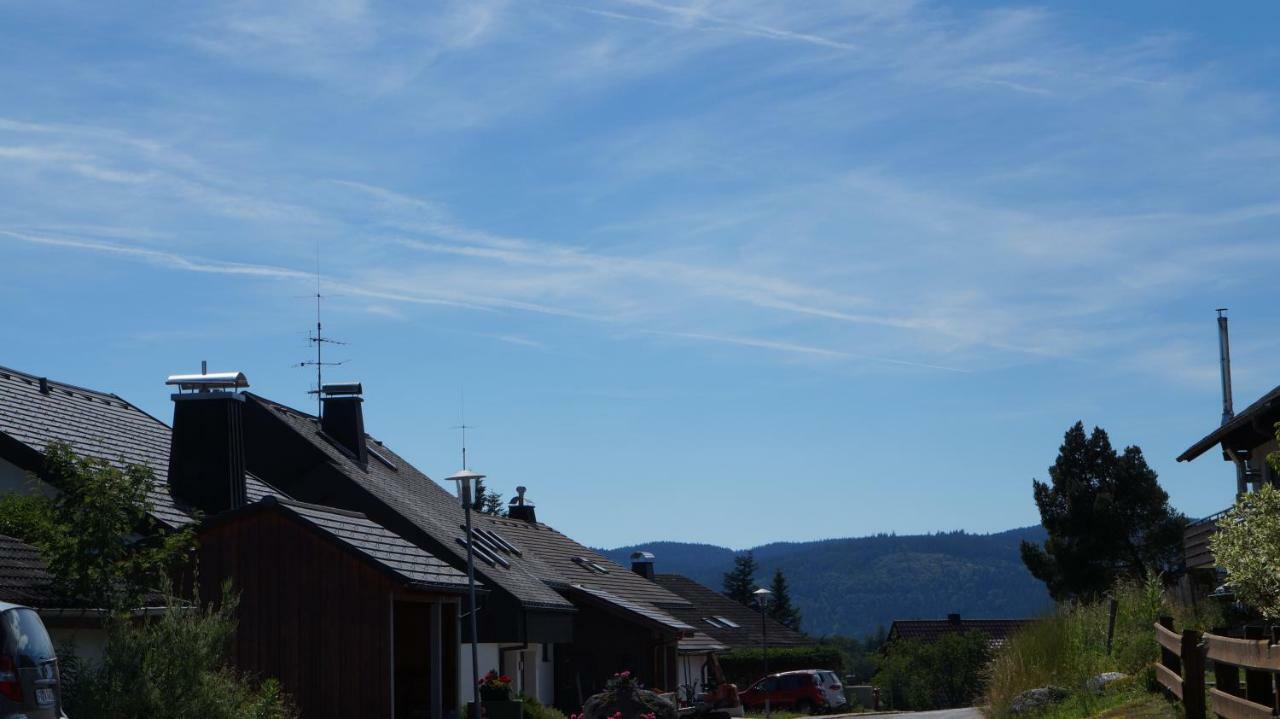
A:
(44, 696)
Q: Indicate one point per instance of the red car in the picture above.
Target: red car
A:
(805, 691)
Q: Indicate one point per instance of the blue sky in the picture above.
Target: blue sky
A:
(725, 271)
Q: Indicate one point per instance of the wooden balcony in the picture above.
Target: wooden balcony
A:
(1195, 542)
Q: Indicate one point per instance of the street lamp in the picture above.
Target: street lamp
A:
(762, 600)
(464, 477)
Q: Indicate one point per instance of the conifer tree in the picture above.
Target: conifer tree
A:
(781, 610)
(1107, 518)
(740, 581)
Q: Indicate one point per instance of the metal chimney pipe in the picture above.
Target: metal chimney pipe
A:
(1224, 352)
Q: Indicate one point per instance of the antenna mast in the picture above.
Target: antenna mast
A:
(319, 340)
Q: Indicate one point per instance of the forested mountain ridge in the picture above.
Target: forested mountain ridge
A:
(854, 586)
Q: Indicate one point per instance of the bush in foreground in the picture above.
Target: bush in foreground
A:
(942, 674)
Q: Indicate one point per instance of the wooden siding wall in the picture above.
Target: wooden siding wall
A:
(605, 644)
(310, 614)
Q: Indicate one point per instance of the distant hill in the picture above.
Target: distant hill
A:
(854, 586)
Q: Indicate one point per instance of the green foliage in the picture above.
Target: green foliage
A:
(1107, 518)
(744, 666)
(943, 674)
(860, 657)
(740, 581)
(88, 531)
(28, 517)
(174, 666)
(781, 610)
(487, 502)
(1247, 546)
(1069, 647)
(533, 709)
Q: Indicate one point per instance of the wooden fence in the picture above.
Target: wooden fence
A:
(1181, 671)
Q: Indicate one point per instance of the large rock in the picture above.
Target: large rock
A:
(1033, 699)
(1103, 680)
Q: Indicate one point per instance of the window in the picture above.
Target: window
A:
(589, 565)
(712, 621)
(728, 623)
(24, 636)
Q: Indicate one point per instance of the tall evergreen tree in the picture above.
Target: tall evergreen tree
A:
(781, 610)
(740, 581)
(1106, 517)
(487, 502)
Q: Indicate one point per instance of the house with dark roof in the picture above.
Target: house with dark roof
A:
(277, 489)
(1244, 439)
(931, 630)
(723, 624)
(557, 617)
(322, 589)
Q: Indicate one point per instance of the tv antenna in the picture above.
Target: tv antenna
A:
(464, 427)
(319, 341)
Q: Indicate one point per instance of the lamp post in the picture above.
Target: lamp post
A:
(464, 477)
(762, 600)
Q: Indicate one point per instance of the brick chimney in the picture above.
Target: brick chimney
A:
(206, 452)
(343, 419)
(642, 564)
(953, 619)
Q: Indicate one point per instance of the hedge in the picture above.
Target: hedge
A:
(744, 666)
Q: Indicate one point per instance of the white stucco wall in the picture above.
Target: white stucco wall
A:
(90, 643)
(488, 656)
(546, 675)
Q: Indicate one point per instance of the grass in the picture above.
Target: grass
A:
(1127, 702)
(1068, 647)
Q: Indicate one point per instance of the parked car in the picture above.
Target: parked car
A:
(29, 685)
(805, 691)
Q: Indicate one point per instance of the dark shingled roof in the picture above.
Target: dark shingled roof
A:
(93, 424)
(706, 603)
(1267, 406)
(636, 610)
(357, 533)
(414, 496)
(931, 630)
(565, 562)
(24, 576)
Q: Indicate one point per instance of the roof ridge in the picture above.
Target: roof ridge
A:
(60, 384)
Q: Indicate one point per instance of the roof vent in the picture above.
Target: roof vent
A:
(44, 385)
(341, 389)
(521, 508)
(642, 564)
(212, 382)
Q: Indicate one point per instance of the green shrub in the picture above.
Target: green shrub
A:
(942, 674)
(1069, 647)
(744, 666)
(1247, 546)
(536, 710)
(174, 666)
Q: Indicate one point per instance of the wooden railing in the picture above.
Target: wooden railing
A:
(1181, 666)
(1181, 670)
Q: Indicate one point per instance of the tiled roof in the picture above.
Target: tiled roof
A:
(24, 576)
(94, 424)
(741, 631)
(371, 540)
(414, 496)
(931, 630)
(564, 562)
(636, 609)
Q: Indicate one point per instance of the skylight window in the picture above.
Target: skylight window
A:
(589, 565)
(712, 621)
(729, 623)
